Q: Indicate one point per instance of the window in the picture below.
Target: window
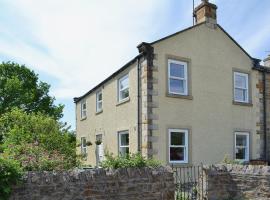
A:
(177, 77)
(123, 143)
(242, 146)
(241, 87)
(99, 101)
(83, 109)
(83, 147)
(178, 146)
(123, 88)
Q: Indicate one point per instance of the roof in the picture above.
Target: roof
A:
(255, 60)
(76, 99)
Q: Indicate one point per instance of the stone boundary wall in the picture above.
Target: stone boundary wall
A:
(237, 182)
(97, 184)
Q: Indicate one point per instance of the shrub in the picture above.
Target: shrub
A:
(227, 160)
(10, 174)
(131, 160)
(37, 142)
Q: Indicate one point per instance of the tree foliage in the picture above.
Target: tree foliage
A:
(36, 141)
(20, 87)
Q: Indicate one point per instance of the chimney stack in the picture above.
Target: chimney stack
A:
(267, 61)
(206, 12)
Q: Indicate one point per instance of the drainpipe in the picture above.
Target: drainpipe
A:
(264, 117)
(139, 103)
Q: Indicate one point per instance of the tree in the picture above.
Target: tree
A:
(20, 87)
(36, 141)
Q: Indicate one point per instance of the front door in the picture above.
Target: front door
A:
(99, 149)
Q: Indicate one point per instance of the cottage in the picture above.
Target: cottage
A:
(189, 98)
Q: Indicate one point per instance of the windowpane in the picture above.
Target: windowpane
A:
(99, 96)
(83, 142)
(177, 70)
(240, 81)
(241, 140)
(240, 153)
(124, 151)
(124, 93)
(177, 86)
(177, 138)
(239, 94)
(124, 139)
(177, 154)
(124, 83)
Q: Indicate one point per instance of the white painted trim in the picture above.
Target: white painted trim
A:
(247, 156)
(242, 88)
(120, 90)
(99, 101)
(185, 79)
(119, 140)
(185, 131)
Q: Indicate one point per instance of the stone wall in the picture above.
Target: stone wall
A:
(133, 183)
(237, 182)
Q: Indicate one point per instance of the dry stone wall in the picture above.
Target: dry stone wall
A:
(228, 182)
(97, 184)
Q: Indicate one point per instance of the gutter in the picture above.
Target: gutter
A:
(264, 118)
(139, 104)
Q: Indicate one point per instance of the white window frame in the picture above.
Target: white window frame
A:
(120, 90)
(241, 88)
(185, 79)
(83, 148)
(119, 141)
(247, 147)
(185, 131)
(83, 111)
(99, 109)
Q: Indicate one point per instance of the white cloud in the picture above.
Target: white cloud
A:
(84, 41)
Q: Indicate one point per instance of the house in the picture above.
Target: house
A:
(189, 98)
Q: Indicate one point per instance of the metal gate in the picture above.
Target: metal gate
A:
(189, 182)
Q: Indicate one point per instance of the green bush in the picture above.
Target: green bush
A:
(37, 142)
(10, 174)
(131, 160)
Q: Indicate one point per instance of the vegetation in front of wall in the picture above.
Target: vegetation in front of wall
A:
(37, 141)
(10, 174)
(131, 160)
(98, 142)
(227, 160)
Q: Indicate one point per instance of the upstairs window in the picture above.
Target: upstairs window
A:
(178, 146)
(123, 88)
(83, 109)
(83, 147)
(123, 143)
(177, 77)
(242, 146)
(99, 101)
(241, 90)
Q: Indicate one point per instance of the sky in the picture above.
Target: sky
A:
(75, 44)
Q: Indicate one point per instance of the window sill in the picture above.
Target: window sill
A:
(84, 118)
(180, 163)
(242, 103)
(123, 101)
(99, 112)
(188, 97)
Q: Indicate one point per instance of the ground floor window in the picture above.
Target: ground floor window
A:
(83, 147)
(242, 146)
(178, 145)
(123, 143)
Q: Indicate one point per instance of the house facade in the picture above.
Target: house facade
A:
(189, 98)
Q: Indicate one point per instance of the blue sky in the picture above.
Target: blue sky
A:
(73, 45)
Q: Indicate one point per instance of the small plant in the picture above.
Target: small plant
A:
(10, 174)
(227, 160)
(88, 143)
(98, 142)
(131, 160)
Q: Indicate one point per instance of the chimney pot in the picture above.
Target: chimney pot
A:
(267, 61)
